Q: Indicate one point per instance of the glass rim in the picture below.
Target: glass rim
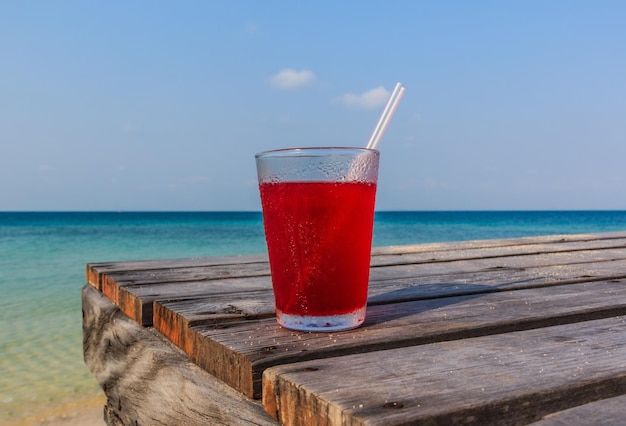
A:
(313, 151)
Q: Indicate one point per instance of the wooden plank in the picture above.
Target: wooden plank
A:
(604, 412)
(504, 242)
(512, 378)
(418, 295)
(381, 255)
(148, 381)
(95, 271)
(239, 352)
(463, 249)
(487, 252)
(407, 270)
(137, 300)
(239, 305)
(126, 288)
(174, 317)
(194, 273)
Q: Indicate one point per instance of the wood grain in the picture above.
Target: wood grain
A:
(508, 331)
(251, 304)
(148, 381)
(512, 378)
(136, 293)
(96, 270)
(239, 352)
(604, 412)
(125, 272)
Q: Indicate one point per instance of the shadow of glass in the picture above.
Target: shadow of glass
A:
(419, 298)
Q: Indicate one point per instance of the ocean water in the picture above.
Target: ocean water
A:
(42, 270)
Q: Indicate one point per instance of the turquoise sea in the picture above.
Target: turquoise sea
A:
(42, 270)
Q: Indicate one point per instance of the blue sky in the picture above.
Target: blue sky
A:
(154, 105)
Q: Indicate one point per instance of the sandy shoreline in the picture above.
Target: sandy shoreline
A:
(83, 416)
(78, 413)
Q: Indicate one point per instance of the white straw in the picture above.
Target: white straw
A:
(385, 118)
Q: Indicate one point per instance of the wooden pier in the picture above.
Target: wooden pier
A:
(494, 332)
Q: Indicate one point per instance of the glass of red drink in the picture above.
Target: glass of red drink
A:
(318, 214)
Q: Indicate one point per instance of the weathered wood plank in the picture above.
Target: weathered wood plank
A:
(505, 379)
(137, 300)
(220, 312)
(381, 255)
(381, 259)
(239, 352)
(504, 242)
(221, 270)
(95, 271)
(253, 303)
(173, 318)
(148, 381)
(605, 412)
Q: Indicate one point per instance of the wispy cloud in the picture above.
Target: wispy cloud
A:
(367, 100)
(290, 79)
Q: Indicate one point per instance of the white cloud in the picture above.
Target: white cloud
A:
(368, 100)
(289, 79)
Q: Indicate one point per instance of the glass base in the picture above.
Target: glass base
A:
(321, 323)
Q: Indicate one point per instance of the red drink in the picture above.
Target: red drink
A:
(319, 237)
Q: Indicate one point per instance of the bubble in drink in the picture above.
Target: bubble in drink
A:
(319, 237)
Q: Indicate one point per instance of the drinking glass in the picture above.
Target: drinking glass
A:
(318, 214)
